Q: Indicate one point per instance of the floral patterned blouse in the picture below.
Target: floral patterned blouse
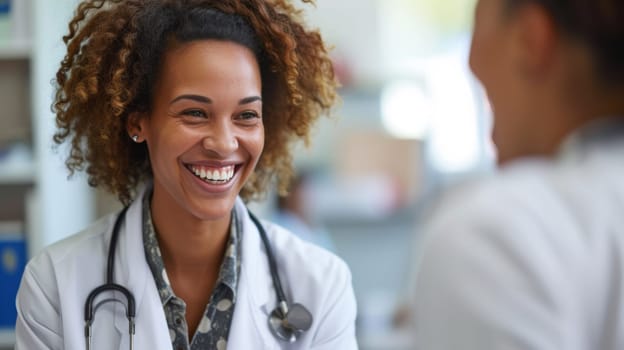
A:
(213, 329)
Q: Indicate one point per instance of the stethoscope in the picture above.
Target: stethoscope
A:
(286, 322)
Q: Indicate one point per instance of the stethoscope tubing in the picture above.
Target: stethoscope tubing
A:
(89, 312)
(110, 265)
(277, 283)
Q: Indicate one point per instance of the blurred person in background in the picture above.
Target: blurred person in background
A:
(293, 213)
(533, 258)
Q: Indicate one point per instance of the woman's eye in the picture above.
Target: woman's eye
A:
(194, 113)
(249, 115)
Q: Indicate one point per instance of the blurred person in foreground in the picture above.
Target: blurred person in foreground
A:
(533, 258)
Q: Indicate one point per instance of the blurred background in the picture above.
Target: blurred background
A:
(412, 121)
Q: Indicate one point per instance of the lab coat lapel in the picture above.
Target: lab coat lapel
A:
(255, 295)
(132, 271)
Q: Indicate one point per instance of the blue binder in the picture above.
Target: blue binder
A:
(5, 6)
(12, 263)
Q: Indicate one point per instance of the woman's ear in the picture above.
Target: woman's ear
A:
(135, 126)
(535, 40)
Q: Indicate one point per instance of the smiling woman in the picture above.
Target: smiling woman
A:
(121, 59)
(183, 109)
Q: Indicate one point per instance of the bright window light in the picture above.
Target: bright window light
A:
(454, 138)
(405, 110)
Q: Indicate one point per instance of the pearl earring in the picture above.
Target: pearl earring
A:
(135, 138)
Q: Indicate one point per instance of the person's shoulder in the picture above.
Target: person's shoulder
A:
(539, 189)
(519, 184)
(466, 199)
(520, 202)
(508, 221)
(495, 247)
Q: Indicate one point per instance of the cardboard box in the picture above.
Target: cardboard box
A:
(366, 153)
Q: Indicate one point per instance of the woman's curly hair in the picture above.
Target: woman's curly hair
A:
(114, 50)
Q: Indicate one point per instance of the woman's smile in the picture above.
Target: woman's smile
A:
(213, 179)
(213, 175)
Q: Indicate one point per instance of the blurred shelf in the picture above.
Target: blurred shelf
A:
(7, 338)
(17, 173)
(15, 50)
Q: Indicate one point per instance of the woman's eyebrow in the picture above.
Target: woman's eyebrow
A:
(204, 99)
(197, 98)
(249, 99)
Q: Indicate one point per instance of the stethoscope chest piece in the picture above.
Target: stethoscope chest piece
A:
(288, 323)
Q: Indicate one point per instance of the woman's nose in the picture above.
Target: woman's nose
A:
(221, 140)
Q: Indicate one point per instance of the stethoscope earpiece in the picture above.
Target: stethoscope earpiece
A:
(288, 323)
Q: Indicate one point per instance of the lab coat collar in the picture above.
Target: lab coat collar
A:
(256, 293)
(256, 297)
(607, 132)
(132, 271)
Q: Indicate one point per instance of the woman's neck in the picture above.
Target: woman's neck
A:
(187, 243)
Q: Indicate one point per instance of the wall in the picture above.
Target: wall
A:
(65, 205)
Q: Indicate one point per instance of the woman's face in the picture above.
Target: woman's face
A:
(205, 132)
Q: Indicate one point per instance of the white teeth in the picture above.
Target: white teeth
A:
(218, 175)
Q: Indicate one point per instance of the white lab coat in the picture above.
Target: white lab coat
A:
(532, 258)
(52, 294)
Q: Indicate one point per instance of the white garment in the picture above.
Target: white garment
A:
(532, 258)
(54, 287)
